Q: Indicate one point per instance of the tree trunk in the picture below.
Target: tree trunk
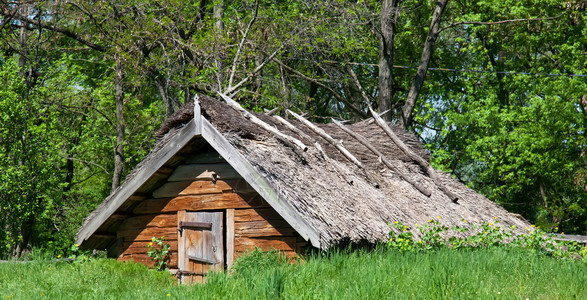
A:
(119, 98)
(218, 15)
(386, 44)
(285, 90)
(427, 52)
(218, 32)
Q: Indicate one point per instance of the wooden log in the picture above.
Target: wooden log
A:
(146, 260)
(110, 224)
(271, 112)
(205, 158)
(338, 145)
(141, 247)
(570, 237)
(286, 243)
(298, 131)
(199, 202)
(197, 115)
(415, 157)
(290, 255)
(152, 183)
(201, 187)
(145, 234)
(152, 220)
(216, 171)
(385, 161)
(256, 214)
(264, 125)
(263, 229)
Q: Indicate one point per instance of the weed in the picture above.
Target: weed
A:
(158, 251)
(434, 236)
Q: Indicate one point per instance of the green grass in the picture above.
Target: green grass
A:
(444, 274)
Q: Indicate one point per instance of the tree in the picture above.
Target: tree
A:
(516, 137)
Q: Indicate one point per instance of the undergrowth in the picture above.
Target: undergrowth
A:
(434, 235)
(479, 262)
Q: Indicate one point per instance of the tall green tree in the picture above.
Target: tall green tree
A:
(517, 137)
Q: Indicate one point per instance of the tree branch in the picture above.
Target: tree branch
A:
(8, 19)
(497, 22)
(255, 71)
(240, 46)
(55, 28)
(427, 51)
(320, 84)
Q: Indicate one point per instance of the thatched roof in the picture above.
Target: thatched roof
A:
(336, 199)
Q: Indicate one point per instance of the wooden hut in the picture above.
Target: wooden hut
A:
(221, 181)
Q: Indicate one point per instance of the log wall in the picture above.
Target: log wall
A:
(206, 183)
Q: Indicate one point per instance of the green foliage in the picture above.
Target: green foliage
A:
(159, 252)
(516, 138)
(29, 163)
(519, 139)
(77, 256)
(381, 274)
(435, 236)
(94, 279)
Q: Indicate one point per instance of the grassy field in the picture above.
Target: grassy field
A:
(443, 274)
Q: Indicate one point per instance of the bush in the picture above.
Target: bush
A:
(434, 236)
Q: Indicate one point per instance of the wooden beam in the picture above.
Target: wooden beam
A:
(229, 238)
(145, 234)
(570, 237)
(256, 214)
(384, 160)
(181, 259)
(198, 203)
(338, 145)
(282, 243)
(174, 145)
(263, 228)
(263, 125)
(271, 112)
(298, 131)
(211, 157)
(146, 260)
(259, 183)
(415, 157)
(201, 187)
(204, 172)
(152, 220)
(141, 247)
(197, 116)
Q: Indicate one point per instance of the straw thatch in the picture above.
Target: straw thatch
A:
(341, 201)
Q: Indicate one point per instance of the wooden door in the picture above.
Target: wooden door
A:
(200, 244)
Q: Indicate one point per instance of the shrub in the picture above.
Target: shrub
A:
(434, 236)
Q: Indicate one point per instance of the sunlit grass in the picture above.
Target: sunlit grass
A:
(443, 274)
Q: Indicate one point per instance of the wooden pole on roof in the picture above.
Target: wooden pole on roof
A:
(400, 144)
(338, 145)
(298, 131)
(415, 157)
(259, 122)
(384, 160)
(197, 115)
